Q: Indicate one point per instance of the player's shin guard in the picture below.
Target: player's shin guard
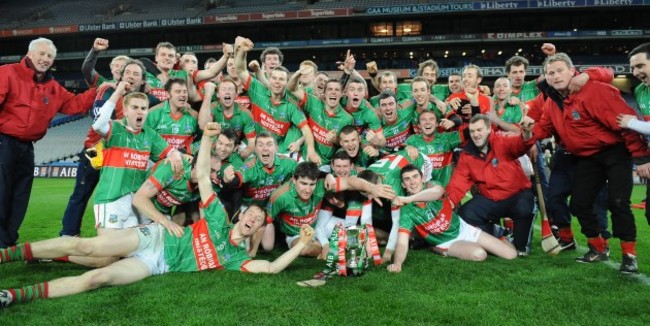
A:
(20, 252)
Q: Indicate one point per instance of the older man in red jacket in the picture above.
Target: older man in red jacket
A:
(29, 99)
(491, 162)
(586, 124)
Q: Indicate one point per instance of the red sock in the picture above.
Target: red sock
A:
(628, 247)
(597, 243)
(566, 234)
(64, 259)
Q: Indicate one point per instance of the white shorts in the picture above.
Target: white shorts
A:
(151, 248)
(290, 239)
(466, 233)
(118, 214)
(144, 220)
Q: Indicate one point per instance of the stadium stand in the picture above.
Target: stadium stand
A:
(72, 12)
(62, 142)
(141, 10)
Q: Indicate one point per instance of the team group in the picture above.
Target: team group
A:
(236, 156)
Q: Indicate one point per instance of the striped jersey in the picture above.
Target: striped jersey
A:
(291, 210)
(259, 181)
(178, 131)
(435, 221)
(206, 244)
(157, 87)
(126, 155)
(171, 192)
(440, 150)
(321, 122)
(276, 118)
(241, 120)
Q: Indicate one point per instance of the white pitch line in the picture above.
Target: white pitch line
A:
(644, 279)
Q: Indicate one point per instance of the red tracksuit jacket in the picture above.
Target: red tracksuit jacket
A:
(497, 174)
(27, 107)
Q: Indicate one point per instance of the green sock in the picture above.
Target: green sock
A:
(22, 251)
(30, 293)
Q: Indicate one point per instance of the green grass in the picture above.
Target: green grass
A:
(538, 290)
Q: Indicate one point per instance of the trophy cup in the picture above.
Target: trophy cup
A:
(355, 248)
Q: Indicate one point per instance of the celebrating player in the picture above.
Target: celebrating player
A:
(212, 243)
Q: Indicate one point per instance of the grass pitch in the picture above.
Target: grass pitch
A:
(431, 290)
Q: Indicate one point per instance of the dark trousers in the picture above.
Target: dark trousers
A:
(561, 181)
(484, 213)
(611, 167)
(87, 178)
(16, 177)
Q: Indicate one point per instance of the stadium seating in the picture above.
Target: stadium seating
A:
(16, 14)
(62, 142)
(72, 12)
(142, 10)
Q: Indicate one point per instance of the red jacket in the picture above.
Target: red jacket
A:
(535, 105)
(483, 101)
(27, 107)
(497, 174)
(587, 122)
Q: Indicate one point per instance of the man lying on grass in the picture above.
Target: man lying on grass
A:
(211, 243)
(432, 217)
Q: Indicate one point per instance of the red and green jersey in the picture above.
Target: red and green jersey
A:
(440, 150)
(103, 94)
(642, 96)
(364, 117)
(528, 91)
(403, 93)
(259, 181)
(126, 155)
(178, 131)
(321, 122)
(509, 113)
(435, 221)
(171, 191)
(430, 107)
(200, 88)
(276, 118)
(236, 162)
(157, 87)
(244, 101)
(440, 91)
(206, 244)
(390, 166)
(398, 131)
(240, 120)
(293, 212)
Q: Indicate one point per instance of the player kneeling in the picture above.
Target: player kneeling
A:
(431, 215)
(150, 250)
